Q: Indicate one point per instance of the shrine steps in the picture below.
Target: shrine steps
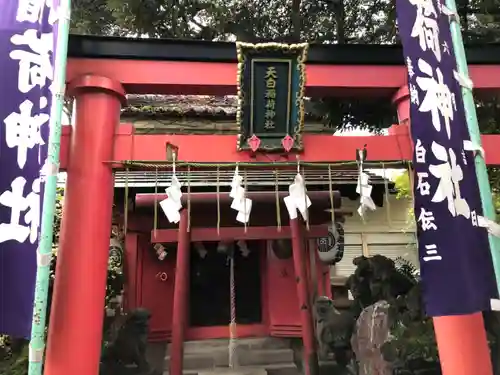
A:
(254, 356)
(281, 369)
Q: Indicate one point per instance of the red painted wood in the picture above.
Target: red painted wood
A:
(235, 233)
(322, 271)
(151, 287)
(76, 316)
(174, 77)
(317, 148)
(284, 314)
(462, 344)
(204, 216)
(220, 332)
(304, 299)
(281, 315)
(149, 199)
(155, 294)
(181, 297)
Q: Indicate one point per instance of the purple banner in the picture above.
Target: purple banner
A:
(455, 261)
(26, 59)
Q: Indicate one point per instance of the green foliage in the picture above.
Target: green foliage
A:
(412, 332)
(316, 21)
(402, 185)
(15, 363)
(321, 21)
(414, 341)
(248, 20)
(411, 337)
(407, 269)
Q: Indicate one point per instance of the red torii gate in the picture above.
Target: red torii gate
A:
(98, 139)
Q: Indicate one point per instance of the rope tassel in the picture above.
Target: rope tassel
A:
(233, 361)
(155, 210)
(330, 190)
(387, 200)
(277, 196)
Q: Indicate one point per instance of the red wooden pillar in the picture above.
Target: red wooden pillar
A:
(401, 100)
(462, 343)
(300, 265)
(181, 289)
(76, 318)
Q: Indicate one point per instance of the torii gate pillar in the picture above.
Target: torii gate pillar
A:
(462, 343)
(76, 317)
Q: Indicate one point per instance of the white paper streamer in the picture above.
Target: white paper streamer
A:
(240, 203)
(492, 227)
(495, 304)
(297, 199)
(474, 147)
(364, 189)
(453, 16)
(463, 80)
(172, 205)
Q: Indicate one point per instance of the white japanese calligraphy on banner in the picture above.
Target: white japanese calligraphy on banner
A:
(26, 126)
(454, 251)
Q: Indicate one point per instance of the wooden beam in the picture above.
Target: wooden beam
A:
(149, 199)
(189, 77)
(236, 233)
(317, 148)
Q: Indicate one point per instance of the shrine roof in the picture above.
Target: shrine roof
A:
(144, 107)
(256, 178)
(85, 46)
(180, 105)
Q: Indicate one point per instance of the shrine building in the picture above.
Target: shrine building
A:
(220, 121)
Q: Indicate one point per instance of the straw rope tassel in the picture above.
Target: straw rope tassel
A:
(125, 204)
(138, 164)
(189, 199)
(305, 198)
(132, 144)
(218, 200)
(330, 190)
(387, 201)
(232, 325)
(278, 205)
(360, 167)
(155, 210)
(245, 198)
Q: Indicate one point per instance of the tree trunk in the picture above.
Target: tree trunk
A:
(340, 21)
(296, 22)
(463, 11)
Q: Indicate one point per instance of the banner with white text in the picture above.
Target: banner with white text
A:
(456, 266)
(26, 59)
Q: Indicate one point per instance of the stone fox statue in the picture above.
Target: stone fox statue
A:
(126, 353)
(334, 330)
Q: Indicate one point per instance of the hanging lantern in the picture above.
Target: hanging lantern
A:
(224, 247)
(254, 143)
(161, 251)
(115, 253)
(331, 248)
(243, 246)
(201, 249)
(287, 143)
